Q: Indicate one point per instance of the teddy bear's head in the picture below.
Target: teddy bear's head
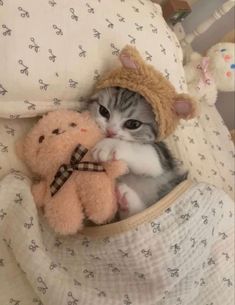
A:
(222, 65)
(52, 140)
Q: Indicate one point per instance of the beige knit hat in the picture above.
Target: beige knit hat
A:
(135, 75)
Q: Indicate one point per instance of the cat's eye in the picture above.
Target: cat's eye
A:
(73, 124)
(132, 124)
(41, 139)
(104, 112)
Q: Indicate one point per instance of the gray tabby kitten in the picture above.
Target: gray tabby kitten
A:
(130, 127)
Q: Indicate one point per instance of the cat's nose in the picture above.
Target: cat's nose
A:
(110, 133)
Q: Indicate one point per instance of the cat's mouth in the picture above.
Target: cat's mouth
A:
(110, 136)
(110, 133)
(114, 136)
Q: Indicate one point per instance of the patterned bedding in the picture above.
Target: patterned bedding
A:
(181, 256)
(50, 81)
(178, 252)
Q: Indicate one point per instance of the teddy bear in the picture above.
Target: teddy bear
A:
(206, 75)
(72, 186)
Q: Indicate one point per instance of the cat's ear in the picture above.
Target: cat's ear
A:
(130, 58)
(185, 106)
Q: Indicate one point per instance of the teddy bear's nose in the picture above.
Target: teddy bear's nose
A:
(56, 131)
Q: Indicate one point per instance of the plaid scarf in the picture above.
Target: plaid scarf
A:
(66, 170)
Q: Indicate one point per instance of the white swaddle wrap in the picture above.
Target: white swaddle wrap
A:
(178, 252)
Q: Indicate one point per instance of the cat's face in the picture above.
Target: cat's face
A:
(124, 115)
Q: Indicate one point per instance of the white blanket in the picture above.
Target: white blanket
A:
(178, 252)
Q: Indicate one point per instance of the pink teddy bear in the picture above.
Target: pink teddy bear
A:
(71, 185)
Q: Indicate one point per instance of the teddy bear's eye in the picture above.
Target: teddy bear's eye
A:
(56, 131)
(73, 124)
(41, 138)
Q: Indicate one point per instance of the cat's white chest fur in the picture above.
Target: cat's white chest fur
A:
(141, 160)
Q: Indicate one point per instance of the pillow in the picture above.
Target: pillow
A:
(52, 52)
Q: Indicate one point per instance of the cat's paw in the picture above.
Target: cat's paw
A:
(104, 151)
(122, 200)
(128, 201)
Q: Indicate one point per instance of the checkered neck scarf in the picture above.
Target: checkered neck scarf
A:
(66, 170)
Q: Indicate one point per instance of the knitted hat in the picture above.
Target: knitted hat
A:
(135, 75)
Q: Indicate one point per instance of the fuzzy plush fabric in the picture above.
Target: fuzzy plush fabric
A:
(207, 75)
(168, 106)
(222, 65)
(49, 145)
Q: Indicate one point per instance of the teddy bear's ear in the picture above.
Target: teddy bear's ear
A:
(185, 106)
(19, 148)
(130, 58)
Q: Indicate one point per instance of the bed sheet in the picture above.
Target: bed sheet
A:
(202, 145)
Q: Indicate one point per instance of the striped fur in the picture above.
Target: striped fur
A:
(123, 105)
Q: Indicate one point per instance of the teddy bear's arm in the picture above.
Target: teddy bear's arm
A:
(115, 169)
(64, 210)
(39, 192)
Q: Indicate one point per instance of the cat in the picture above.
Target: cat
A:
(131, 131)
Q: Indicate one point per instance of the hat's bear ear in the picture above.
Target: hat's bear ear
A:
(127, 61)
(185, 106)
(130, 58)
